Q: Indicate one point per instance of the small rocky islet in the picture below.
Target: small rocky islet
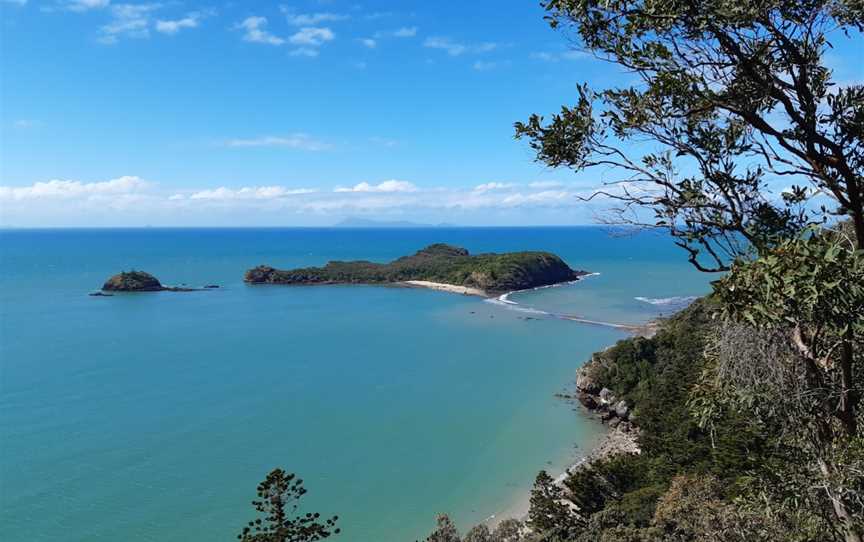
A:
(140, 281)
(133, 281)
(439, 263)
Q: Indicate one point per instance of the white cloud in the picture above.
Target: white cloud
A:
(558, 56)
(378, 15)
(546, 184)
(369, 42)
(247, 192)
(312, 36)
(130, 200)
(454, 48)
(304, 51)
(311, 19)
(61, 189)
(545, 197)
(173, 26)
(128, 20)
(405, 32)
(482, 66)
(293, 141)
(486, 187)
(26, 124)
(255, 33)
(386, 186)
(79, 6)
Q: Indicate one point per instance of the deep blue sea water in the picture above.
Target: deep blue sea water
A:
(154, 416)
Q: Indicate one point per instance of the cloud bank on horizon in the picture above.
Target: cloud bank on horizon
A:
(133, 201)
(288, 113)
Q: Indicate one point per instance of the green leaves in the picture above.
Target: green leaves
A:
(813, 283)
(278, 501)
(566, 140)
(730, 96)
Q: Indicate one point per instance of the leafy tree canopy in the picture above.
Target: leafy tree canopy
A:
(735, 94)
(278, 501)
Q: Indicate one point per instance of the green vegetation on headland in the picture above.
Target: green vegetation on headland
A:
(738, 476)
(436, 263)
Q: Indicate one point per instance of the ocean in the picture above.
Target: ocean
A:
(154, 416)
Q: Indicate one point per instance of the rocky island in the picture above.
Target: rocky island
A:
(437, 266)
(133, 281)
(140, 281)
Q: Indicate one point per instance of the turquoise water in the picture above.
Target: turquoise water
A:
(154, 416)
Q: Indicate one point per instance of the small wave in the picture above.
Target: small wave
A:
(505, 298)
(512, 305)
(675, 302)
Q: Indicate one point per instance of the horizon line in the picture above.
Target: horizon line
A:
(330, 227)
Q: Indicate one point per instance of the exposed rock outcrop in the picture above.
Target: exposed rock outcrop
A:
(622, 410)
(133, 281)
(585, 381)
(140, 281)
(601, 400)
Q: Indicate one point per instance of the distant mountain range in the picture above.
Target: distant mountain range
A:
(353, 222)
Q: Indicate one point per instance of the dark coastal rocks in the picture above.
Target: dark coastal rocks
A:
(585, 382)
(607, 396)
(617, 413)
(100, 294)
(587, 400)
(133, 281)
(260, 274)
(140, 281)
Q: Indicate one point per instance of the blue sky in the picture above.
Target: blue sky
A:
(293, 113)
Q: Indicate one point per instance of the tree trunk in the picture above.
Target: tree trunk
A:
(857, 218)
(848, 395)
(844, 519)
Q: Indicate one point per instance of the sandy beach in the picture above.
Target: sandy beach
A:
(464, 290)
(613, 442)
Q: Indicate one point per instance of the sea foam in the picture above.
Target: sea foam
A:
(675, 302)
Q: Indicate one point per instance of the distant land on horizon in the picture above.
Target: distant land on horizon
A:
(354, 222)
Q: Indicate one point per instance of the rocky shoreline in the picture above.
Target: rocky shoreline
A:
(616, 414)
(622, 436)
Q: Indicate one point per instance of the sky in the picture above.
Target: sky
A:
(304, 113)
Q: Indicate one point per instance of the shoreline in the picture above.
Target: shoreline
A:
(620, 439)
(443, 287)
(614, 441)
